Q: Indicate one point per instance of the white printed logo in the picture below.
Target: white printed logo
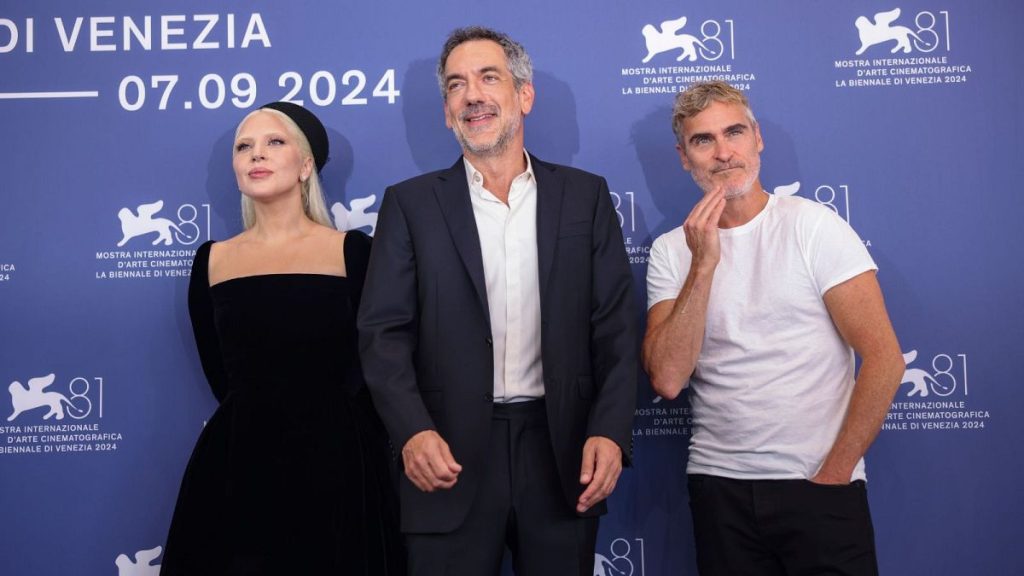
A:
(42, 432)
(627, 220)
(947, 376)
(357, 217)
(665, 39)
(188, 225)
(711, 41)
(929, 35)
(881, 31)
(141, 566)
(941, 383)
(787, 189)
(33, 396)
(826, 195)
(79, 405)
(622, 560)
(133, 226)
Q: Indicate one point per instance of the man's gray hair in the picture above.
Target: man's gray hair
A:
(516, 58)
(699, 96)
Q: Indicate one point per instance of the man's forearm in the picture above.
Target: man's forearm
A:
(673, 341)
(873, 392)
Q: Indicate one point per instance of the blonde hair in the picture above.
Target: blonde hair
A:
(313, 202)
(699, 96)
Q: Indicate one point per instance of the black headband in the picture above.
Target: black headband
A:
(311, 127)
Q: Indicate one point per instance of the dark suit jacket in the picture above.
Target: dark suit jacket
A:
(425, 335)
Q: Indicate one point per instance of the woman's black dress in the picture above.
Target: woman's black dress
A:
(292, 474)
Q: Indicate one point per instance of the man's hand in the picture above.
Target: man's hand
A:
(602, 464)
(824, 477)
(701, 228)
(429, 463)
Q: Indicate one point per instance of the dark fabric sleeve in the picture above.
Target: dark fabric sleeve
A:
(357, 257)
(615, 335)
(388, 326)
(200, 310)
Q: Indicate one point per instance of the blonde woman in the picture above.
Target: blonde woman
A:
(292, 474)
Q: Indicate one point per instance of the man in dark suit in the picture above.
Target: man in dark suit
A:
(498, 337)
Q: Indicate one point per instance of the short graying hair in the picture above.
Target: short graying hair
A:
(699, 96)
(516, 58)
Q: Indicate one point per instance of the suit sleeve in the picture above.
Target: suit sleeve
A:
(613, 331)
(388, 328)
(200, 311)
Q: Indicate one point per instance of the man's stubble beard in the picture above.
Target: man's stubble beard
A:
(735, 191)
(496, 148)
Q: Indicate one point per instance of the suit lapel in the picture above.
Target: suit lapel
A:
(452, 193)
(550, 191)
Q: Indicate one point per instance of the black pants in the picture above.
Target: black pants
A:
(781, 527)
(519, 504)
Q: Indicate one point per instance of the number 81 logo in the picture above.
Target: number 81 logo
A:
(622, 559)
(950, 372)
(83, 399)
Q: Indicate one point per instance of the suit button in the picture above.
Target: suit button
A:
(489, 397)
(489, 341)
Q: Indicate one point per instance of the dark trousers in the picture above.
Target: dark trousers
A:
(519, 504)
(781, 527)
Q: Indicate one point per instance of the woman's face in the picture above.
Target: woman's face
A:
(267, 159)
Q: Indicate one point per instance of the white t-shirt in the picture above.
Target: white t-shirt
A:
(774, 377)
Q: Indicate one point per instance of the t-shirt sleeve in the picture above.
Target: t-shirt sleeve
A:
(663, 277)
(836, 252)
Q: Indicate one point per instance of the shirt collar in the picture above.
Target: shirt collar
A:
(475, 179)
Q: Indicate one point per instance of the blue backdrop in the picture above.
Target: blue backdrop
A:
(117, 119)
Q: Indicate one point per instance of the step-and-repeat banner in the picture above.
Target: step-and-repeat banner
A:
(116, 123)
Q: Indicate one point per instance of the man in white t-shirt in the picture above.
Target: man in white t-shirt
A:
(759, 302)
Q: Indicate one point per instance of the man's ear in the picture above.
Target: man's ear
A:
(682, 157)
(526, 96)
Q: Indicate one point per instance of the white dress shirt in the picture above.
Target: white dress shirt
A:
(508, 243)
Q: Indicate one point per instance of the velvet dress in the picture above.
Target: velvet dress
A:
(293, 472)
